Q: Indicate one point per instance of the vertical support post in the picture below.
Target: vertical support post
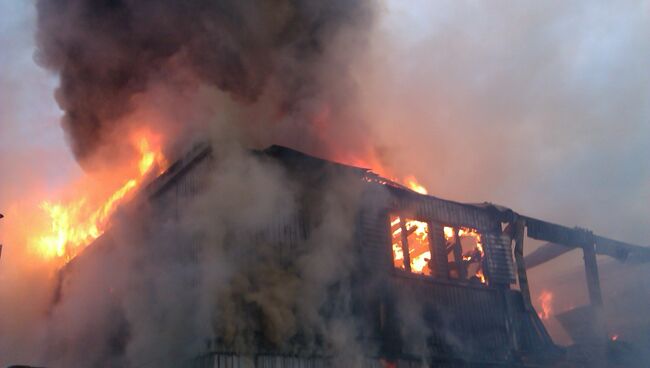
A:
(405, 245)
(458, 257)
(522, 276)
(438, 247)
(1, 216)
(595, 298)
(591, 273)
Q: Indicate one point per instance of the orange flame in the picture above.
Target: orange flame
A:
(545, 299)
(475, 255)
(413, 184)
(76, 224)
(418, 244)
(418, 233)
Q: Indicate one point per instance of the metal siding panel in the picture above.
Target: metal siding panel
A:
(474, 314)
(451, 213)
(499, 261)
(375, 238)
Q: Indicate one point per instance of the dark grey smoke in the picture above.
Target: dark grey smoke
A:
(109, 52)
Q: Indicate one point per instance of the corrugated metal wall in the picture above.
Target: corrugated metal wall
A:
(461, 318)
(452, 213)
(181, 187)
(221, 360)
(499, 260)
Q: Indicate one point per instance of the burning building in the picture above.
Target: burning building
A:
(267, 258)
(409, 279)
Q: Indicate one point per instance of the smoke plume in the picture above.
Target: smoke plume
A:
(160, 289)
(539, 106)
(277, 56)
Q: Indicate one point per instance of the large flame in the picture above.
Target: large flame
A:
(414, 185)
(75, 224)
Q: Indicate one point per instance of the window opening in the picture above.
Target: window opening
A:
(411, 245)
(465, 254)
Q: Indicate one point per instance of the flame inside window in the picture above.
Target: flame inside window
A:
(410, 236)
(467, 244)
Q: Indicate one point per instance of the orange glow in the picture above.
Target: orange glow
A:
(419, 252)
(398, 253)
(417, 231)
(76, 224)
(545, 299)
(417, 240)
(375, 167)
(413, 184)
(472, 256)
(449, 232)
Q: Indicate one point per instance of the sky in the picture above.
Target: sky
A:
(542, 107)
(29, 116)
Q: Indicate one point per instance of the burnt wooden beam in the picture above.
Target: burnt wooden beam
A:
(518, 232)
(408, 232)
(542, 230)
(439, 253)
(545, 253)
(411, 231)
(624, 252)
(405, 247)
(591, 273)
(577, 237)
(458, 256)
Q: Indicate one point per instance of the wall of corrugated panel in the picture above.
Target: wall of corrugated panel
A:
(220, 360)
(447, 212)
(183, 186)
(374, 237)
(473, 316)
(287, 233)
(462, 318)
(498, 253)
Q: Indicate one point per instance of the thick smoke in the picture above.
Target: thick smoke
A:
(280, 57)
(496, 102)
(240, 73)
(539, 106)
(162, 291)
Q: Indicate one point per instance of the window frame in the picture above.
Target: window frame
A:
(437, 248)
(403, 218)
